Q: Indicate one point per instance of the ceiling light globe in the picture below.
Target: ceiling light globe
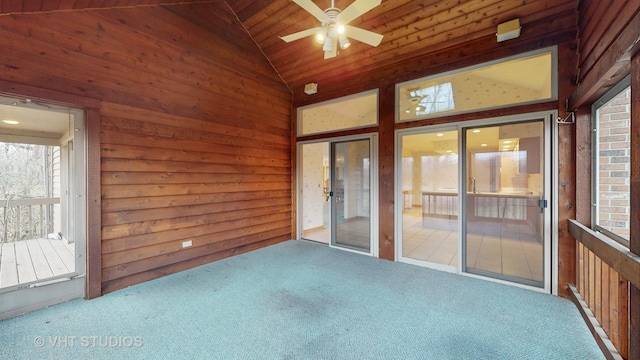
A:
(340, 29)
(319, 38)
(344, 42)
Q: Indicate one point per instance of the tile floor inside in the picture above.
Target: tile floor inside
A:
(433, 242)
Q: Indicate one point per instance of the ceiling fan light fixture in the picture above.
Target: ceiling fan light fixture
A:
(334, 25)
(344, 42)
(328, 44)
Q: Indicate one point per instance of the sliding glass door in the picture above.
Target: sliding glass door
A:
(504, 201)
(471, 198)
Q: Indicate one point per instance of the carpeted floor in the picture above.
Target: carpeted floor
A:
(298, 300)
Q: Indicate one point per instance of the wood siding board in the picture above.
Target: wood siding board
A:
(128, 191)
(163, 166)
(132, 216)
(154, 202)
(137, 178)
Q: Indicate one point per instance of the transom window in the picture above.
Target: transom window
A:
(524, 79)
(351, 112)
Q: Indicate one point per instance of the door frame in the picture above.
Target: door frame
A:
(373, 188)
(34, 295)
(550, 189)
(91, 106)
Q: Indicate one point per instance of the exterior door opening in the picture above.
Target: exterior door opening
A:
(42, 209)
(337, 196)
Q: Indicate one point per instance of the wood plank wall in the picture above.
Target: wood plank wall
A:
(608, 33)
(195, 129)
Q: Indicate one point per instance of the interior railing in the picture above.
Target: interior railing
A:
(22, 219)
(605, 272)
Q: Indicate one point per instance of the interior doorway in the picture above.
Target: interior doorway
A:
(337, 197)
(42, 205)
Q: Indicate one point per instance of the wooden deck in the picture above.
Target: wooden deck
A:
(27, 261)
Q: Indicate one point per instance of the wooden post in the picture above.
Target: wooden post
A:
(634, 238)
(386, 184)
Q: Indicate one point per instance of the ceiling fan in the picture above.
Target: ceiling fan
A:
(334, 27)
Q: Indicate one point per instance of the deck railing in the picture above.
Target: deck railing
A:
(606, 271)
(22, 219)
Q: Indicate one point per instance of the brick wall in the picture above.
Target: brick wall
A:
(614, 166)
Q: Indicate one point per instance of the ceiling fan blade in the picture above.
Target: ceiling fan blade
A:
(300, 34)
(312, 9)
(356, 9)
(365, 36)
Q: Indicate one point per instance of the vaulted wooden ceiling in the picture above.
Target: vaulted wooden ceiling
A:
(417, 34)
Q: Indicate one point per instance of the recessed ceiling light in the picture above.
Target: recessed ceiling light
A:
(11, 122)
(507, 141)
(483, 145)
(476, 130)
(440, 134)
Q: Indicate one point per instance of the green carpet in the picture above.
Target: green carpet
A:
(298, 300)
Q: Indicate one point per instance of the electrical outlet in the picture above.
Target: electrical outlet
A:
(186, 244)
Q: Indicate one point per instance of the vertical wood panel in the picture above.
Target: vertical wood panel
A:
(566, 178)
(604, 298)
(93, 279)
(598, 289)
(622, 340)
(386, 179)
